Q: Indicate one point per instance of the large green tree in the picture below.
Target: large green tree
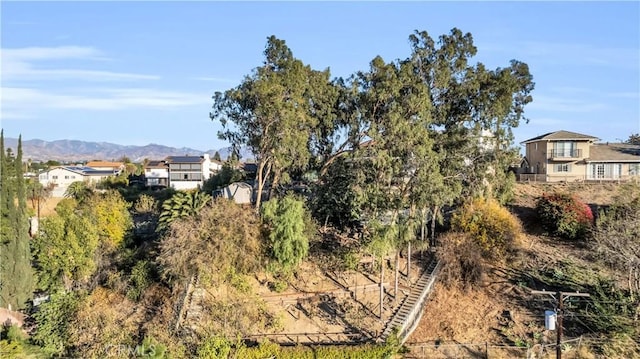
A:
(65, 249)
(474, 110)
(272, 112)
(16, 275)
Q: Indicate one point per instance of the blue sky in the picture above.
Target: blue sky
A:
(144, 72)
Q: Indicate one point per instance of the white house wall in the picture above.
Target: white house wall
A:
(156, 173)
(185, 185)
(60, 177)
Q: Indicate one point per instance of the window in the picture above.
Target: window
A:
(634, 169)
(564, 149)
(563, 167)
(66, 177)
(54, 177)
(186, 176)
(605, 170)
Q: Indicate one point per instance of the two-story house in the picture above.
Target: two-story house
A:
(156, 174)
(188, 172)
(569, 156)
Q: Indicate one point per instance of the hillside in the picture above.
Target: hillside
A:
(73, 150)
(502, 311)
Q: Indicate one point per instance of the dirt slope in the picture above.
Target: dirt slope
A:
(498, 311)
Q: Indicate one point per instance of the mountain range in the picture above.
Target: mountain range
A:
(74, 150)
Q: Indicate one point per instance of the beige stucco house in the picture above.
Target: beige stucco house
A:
(568, 156)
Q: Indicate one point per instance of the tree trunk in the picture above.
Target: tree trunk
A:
(423, 224)
(409, 262)
(395, 286)
(274, 183)
(381, 285)
(262, 178)
(355, 289)
(433, 225)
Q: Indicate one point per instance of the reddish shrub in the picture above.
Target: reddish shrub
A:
(564, 215)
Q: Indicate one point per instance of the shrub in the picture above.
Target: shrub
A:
(145, 204)
(564, 215)
(143, 274)
(492, 226)
(288, 223)
(461, 260)
(54, 323)
(214, 348)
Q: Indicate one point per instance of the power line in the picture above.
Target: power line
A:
(559, 297)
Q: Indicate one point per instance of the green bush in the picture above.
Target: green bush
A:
(564, 215)
(215, 348)
(53, 318)
(492, 226)
(287, 222)
(143, 274)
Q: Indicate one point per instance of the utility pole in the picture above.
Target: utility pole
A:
(559, 297)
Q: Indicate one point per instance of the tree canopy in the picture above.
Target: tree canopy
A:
(421, 132)
(16, 275)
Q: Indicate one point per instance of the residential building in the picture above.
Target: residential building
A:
(568, 156)
(188, 172)
(216, 166)
(61, 177)
(156, 174)
(106, 165)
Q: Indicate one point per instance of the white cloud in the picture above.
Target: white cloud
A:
(51, 53)
(557, 104)
(26, 101)
(631, 95)
(572, 53)
(22, 64)
(581, 53)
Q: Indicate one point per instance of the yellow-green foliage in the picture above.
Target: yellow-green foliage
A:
(65, 248)
(111, 215)
(145, 204)
(215, 347)
(494, 228)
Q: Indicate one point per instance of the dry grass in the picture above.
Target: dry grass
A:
(47, 207)
(497, 312)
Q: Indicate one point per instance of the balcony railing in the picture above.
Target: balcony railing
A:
(565, 154)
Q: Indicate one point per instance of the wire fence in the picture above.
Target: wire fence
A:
(432, 350)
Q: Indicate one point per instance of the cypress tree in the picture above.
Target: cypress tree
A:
(16, 276)
(6, 221)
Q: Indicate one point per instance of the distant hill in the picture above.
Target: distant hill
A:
(74, 150)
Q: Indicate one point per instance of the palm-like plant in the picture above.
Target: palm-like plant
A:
(182, 204)
(78, 190)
